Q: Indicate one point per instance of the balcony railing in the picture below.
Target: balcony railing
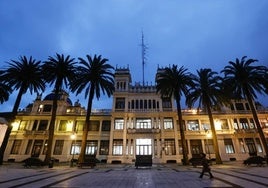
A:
(153, 130)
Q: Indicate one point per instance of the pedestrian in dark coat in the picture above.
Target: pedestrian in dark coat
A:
(206, 167)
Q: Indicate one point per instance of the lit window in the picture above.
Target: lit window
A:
(119, 124)
(117, 147)
(91, 148)
(143, 124)
(168, 123)
(229, 148)
(193, 125)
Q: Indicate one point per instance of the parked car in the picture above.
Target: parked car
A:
(33, 161)
(258, 160)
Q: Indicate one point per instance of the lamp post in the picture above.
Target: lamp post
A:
(73, 138)
(208, 135)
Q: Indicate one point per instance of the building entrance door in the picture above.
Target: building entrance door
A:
(143, 152)
(144, 146)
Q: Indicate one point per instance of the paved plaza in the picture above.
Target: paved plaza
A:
(127, 176)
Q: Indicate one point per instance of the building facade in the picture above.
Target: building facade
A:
(140, 122)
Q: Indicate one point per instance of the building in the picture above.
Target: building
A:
(139, 123)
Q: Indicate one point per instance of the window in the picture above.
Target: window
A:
(166, 103)
(63, 125)
(36, 151)
(141, 104)
(239, 106)
(224, 124)
(168, 123)
(118, 124)
(45, 148)
(251, 124)
(16, 147)
(91, 148)
(209, 146)
(106, 125)
(94, 126)
(258, 145)
(242, 145)
(23, 125)
(137, 104)
(150, 104)
(129, 147)
(43, 125)
(79, 126)
(76, 147)
(236, 124)
(117, 147)
(35, 125)
(104, 147)
(196, 147)
(29, 146)
(120, 103)
(229, 148)
(193, 125)
(180, 147)
(170, 147)
(143, 124)
(205, 124)
(244, 123)
(264, 123)
(58, 147)
(251, 146)
(47, 108)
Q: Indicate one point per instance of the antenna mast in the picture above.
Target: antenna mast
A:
(143, 52)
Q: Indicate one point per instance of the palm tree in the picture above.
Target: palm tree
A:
(5, 89)
(207, 90)
(245, 80)
(22, 75)
(58, 71)
(94, 75)
(174, 82)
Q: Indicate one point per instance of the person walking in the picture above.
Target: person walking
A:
(205, 165)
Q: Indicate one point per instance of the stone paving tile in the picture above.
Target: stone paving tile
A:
(126, 176)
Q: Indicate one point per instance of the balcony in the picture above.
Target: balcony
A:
(143, 131)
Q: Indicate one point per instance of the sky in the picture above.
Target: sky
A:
(194, 34)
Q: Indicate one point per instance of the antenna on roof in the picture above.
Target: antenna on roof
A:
(143, 53)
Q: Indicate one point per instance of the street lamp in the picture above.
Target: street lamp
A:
(208, 136)
(73, 138)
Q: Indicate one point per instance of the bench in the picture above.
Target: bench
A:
(143, 160)
(90, 160)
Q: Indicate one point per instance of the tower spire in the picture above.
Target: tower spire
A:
(143, 53)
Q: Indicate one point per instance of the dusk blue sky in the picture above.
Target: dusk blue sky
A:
(193, 33)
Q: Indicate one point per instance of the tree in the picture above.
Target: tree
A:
(94, 75)
(5, 89)
(207, 90)
(174, 82)
(58, 70)
(22, 75)
(245, 80)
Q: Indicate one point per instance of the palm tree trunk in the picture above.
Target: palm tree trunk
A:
(86, 127)
(52, 125)
(17, 102)
(257, 122)
(183, 141)
(9, 128)
(214, 136)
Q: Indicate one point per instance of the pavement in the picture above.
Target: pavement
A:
(230, 174)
